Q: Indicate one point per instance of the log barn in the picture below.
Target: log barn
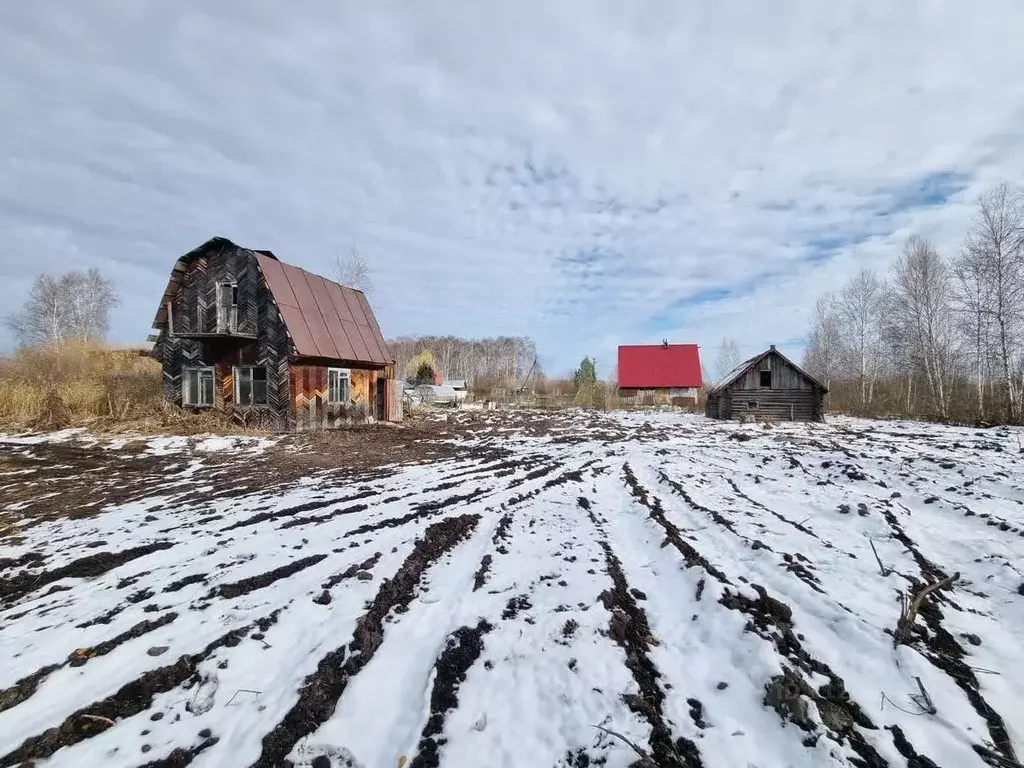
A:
(660, 374)
(768, 386)
(271, 344)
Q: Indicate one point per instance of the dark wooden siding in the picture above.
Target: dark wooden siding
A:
(194, 311)
(784, 376)
(791, 396)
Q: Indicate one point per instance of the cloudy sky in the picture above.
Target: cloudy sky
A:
(586, 173)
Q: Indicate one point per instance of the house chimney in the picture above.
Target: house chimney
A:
(772, 347)
(664, 343)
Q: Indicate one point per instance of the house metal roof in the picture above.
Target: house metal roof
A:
(324, 319)
(659, 366)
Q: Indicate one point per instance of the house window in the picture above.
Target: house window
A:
(197, 387)
(339, 386)
(766, 378)
(251, 386)
(227, 307)
(752, 405)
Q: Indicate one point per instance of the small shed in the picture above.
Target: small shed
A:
(435, 394)
(460, 387)
(768, 386)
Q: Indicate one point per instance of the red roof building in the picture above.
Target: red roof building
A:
(660, 367)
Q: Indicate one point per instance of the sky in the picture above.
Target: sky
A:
(585, 173)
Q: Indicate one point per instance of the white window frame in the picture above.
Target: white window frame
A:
(198, 371)
(345, 395)
(236, 377)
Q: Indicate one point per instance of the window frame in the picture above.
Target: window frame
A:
(761, 375)
(344, 397)
(229, 311)
(198, 370)
(236, 376)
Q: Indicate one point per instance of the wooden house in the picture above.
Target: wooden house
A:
(767, 386)
(271, 344)
(660, 374)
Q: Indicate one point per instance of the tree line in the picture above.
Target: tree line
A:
(937, 336)
(500, 358)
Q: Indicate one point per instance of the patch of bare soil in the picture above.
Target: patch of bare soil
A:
(14, 588)
(367, 565)
(309, 506)
(50, 474)
(462, 649)
(480, 577)
(25, 687)
(181, 757)
(251, 584)
(322, 690)
(420, 511)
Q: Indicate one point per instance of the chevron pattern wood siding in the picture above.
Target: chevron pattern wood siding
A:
(310, 408)
(194, 309)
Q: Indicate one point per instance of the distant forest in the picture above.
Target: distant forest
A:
(503, 358)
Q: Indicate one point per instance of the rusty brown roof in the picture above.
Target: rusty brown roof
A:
(325, 319)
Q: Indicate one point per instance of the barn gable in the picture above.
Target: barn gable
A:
(767, 386)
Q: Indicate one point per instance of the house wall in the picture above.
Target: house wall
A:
(309, 406)
(661, 396)
(792, 395)
(193, 310)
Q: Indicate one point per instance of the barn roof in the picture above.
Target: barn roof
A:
(747, 364)
(659, 366)
(324, 318)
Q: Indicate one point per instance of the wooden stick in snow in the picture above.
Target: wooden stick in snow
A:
(885, 571)
(909, 614)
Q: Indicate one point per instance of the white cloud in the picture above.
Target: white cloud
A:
(571, 171)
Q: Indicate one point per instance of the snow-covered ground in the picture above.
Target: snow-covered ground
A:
(565, 585)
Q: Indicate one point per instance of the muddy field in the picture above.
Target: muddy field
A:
(501, 589)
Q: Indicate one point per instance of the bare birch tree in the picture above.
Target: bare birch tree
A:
(728, 357)
(824, 342)
(921, 304)
(973, 303)
(353, 271)
(859, 308)
(995, 248)
(74, 305)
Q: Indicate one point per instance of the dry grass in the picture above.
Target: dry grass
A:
(86, 385)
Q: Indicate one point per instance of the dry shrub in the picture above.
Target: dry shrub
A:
(82, 384)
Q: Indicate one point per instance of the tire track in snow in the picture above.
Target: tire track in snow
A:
(323, 689)
(14, 588)
(944, 651)
(772, 620)
(131, 699)
(798, 564)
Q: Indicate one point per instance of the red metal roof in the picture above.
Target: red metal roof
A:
(656, 366)
(324, 318)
